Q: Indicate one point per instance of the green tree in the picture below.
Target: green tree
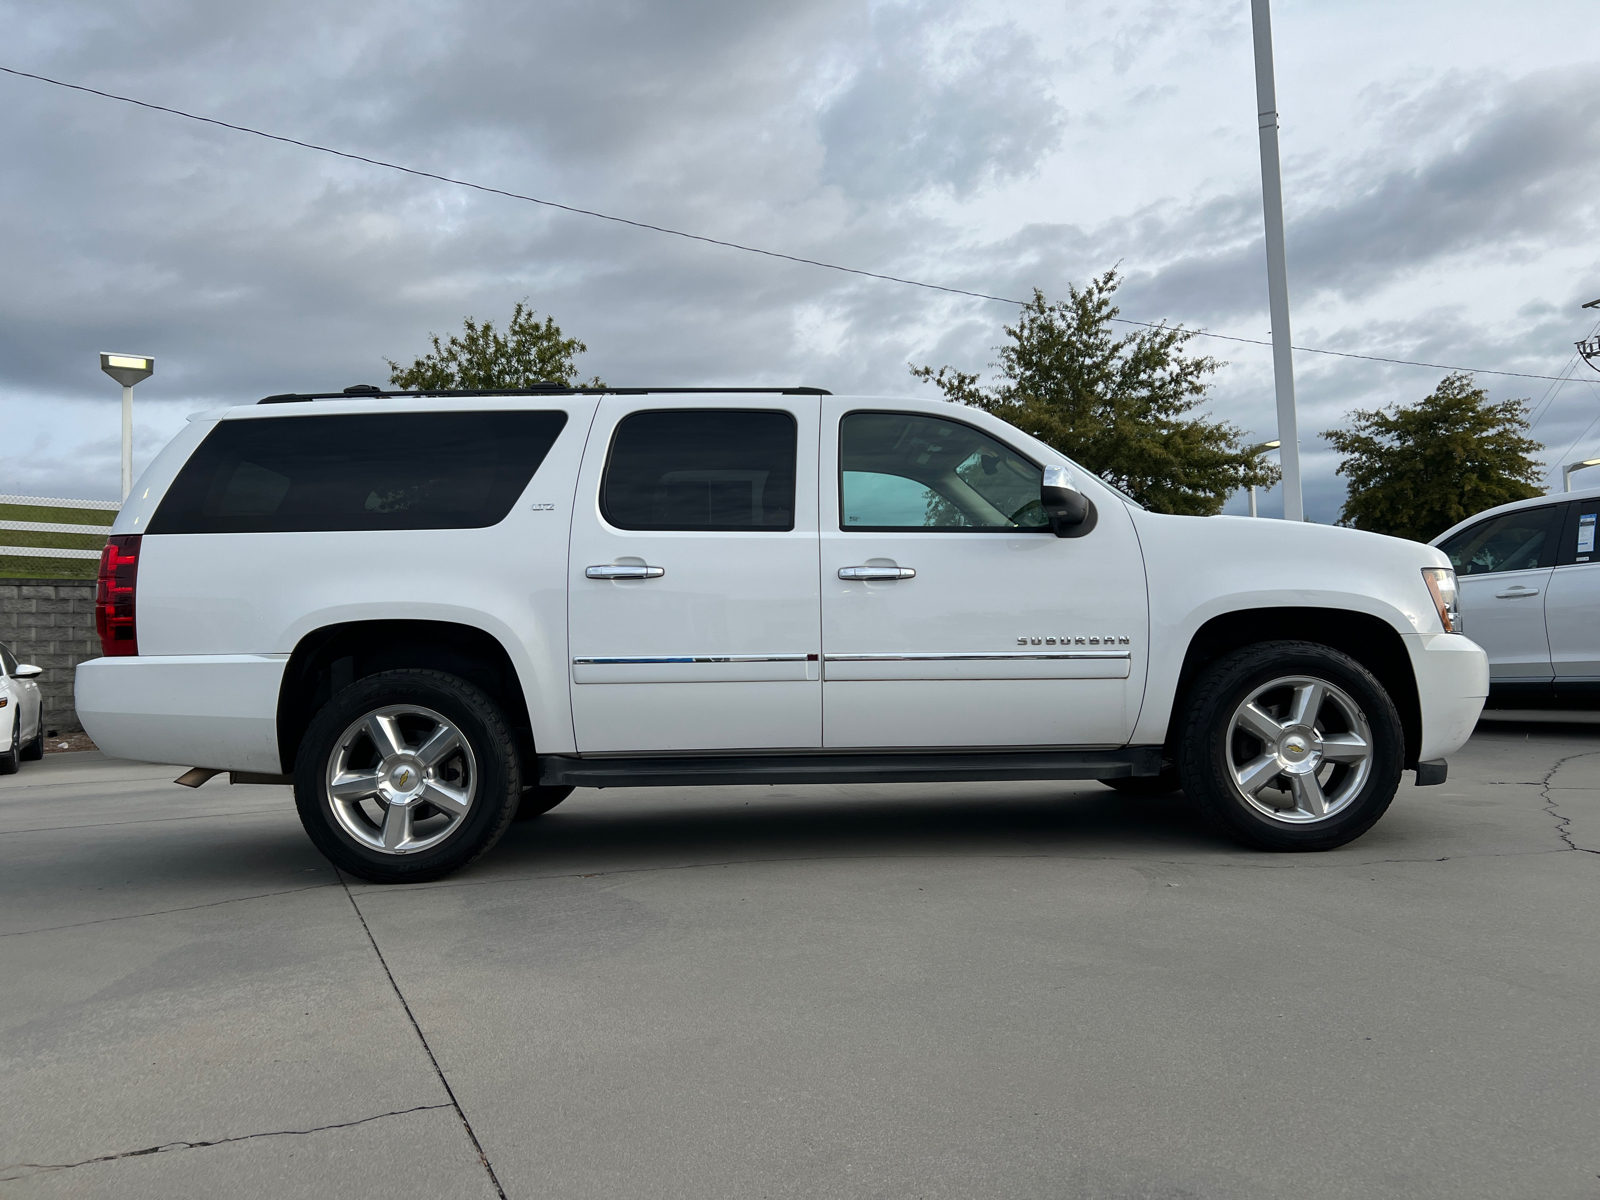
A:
(1123, 406)
(1415, 470)
(528, 353)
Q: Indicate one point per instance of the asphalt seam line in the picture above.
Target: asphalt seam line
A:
(169, 1147)
(422, 1037)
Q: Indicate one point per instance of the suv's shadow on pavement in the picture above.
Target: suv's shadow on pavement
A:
(624, 828)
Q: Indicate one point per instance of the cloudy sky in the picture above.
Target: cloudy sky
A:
(1441, 170)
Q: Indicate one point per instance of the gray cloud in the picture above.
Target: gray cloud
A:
(928, 109)
(1519, 174)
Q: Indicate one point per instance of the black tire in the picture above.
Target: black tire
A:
(10, 761)
(536, 801)
(487, 768)
(1207, 733)
(1163, 784)
(34, 750)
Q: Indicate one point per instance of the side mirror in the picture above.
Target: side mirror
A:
(26, 671)
(1070, 512)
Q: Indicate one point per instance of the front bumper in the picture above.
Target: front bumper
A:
(202, 710)
(1452, 674)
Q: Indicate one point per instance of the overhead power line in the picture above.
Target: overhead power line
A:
(711, 241)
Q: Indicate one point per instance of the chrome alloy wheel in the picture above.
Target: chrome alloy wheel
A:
(401, 779)
(1299, 750)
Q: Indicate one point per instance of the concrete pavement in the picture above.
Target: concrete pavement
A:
(1017, 990)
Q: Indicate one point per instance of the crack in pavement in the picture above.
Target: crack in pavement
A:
(161, 912)
(169, 1147)
(449, 1091)
(1563, 824)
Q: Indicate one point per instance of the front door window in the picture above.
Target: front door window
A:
(900, 471)
(1518, 541)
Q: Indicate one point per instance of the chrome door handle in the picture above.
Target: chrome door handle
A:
(877, 573)
(624, 571)
(1516, 593)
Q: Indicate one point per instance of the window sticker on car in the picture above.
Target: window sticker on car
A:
(1586, 533)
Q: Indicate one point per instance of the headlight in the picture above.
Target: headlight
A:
(1442, 585)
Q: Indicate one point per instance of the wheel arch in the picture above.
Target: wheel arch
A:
(334, 656)
(1368, 639)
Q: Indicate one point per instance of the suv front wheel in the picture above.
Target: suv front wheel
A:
(1291, 746)
(406, 776)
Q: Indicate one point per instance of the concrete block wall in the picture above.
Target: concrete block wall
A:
(50, 623)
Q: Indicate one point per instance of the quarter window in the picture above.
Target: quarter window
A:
(358, 471)
(905, 471)
(1518, 541)
(702, 469)
(8, 662)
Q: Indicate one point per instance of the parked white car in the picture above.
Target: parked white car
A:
(433, 611)
(21, 713)
(1530, 593)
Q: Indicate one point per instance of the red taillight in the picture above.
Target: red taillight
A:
(113, 597)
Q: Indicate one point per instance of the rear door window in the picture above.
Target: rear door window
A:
(1517, 541)
(366, 471)
(702, 469)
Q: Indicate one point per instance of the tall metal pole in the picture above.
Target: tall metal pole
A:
(127, 440)
(1277, 267)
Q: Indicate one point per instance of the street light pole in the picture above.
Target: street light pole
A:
(127, 369)
(127, 440)
(1256, 450)
(1566, 471)
(1277, 266)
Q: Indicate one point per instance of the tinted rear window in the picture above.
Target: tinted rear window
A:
(707, 469)
(356, 472)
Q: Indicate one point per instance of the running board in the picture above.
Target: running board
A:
(916, 767)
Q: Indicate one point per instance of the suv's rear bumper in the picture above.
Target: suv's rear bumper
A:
(1452, 674)
(203, 710)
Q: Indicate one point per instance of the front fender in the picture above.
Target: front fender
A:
(1201, 568)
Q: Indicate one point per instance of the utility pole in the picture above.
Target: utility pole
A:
(1277, 266)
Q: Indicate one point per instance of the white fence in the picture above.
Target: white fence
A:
(44, 540)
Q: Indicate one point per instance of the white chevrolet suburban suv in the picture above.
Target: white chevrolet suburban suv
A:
(435, 612)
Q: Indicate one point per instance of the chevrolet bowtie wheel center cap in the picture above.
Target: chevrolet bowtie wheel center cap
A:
(1300, 751)
(404, 781)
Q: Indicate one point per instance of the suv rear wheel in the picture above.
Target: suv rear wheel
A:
(406, 776)
(1291, 746)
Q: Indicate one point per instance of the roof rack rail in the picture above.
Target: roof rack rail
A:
(366, 391)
